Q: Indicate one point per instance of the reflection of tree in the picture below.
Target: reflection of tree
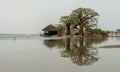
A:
(96, 40)
(118, 38)
(80, 53)
(78, 49)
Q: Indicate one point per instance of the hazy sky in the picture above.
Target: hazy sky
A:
(31, 16)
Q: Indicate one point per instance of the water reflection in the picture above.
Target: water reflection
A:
(118, 38)
(80, 52)
(50, 43)
(79, 49)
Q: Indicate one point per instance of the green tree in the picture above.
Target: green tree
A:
(96, 31)
(67, 20)
(118, 30)
(84, 17)
(61, 29)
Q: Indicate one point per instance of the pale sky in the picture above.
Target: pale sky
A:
(31, 16)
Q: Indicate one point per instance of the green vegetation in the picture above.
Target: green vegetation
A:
(118, 30)
(82, 19)
(96, 32)
(61, 28)
(67, 20)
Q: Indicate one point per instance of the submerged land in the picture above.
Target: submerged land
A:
(110, 46)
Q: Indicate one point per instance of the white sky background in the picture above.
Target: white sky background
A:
(31, 16)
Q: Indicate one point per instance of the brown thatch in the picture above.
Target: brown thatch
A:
(50, 28)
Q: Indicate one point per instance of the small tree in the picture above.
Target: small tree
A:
(61, 28)
(67, 20)
(84, 17)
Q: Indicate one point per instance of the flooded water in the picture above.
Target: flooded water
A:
(32, 53)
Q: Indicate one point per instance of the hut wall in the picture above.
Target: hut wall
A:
(49, 33)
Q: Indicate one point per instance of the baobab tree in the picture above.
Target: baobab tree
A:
(83, 18)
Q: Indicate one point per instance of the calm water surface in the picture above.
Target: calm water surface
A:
(32, 53)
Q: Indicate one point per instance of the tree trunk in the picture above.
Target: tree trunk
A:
(81, 39)
(81, 31)
(68, 33)
(68, 41)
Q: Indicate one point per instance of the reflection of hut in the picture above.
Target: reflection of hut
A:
(50, 43)
(50, 30)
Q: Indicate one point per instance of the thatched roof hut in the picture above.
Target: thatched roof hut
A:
(50, 30)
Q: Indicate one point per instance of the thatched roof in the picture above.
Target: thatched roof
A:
(50, 28)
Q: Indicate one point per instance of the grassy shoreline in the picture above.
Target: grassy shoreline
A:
(110, 46)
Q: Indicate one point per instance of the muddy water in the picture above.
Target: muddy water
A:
(39, 54)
